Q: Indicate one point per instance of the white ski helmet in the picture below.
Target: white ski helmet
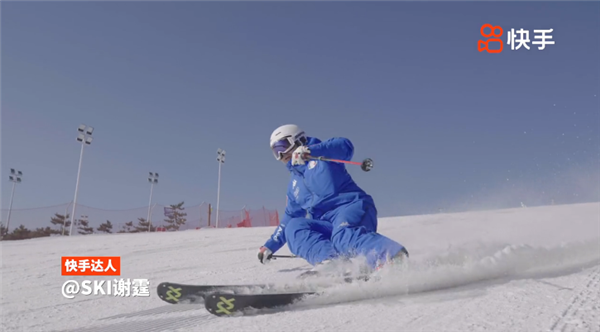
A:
(286, 139)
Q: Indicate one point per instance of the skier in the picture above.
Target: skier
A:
(328, 217)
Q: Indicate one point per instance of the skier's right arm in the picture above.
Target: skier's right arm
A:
(277, 239)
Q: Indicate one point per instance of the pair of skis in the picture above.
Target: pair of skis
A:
(227, 300)
(230, 300)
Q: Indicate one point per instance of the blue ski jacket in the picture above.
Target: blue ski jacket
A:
(319, 189)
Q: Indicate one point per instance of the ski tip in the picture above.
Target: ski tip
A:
(221, 304)
(225, 304)
(175, 294)
(169, 294)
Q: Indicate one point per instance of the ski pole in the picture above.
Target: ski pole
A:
(284, 256)
(366, 165)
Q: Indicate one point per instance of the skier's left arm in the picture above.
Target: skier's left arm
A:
(277, 239)
(334, 148)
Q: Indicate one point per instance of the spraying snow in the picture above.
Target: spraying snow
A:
(525, 269)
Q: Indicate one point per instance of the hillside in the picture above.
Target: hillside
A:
(526, 269)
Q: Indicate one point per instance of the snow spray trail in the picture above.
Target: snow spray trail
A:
(465, 266)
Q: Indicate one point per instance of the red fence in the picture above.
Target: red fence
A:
(89, 220)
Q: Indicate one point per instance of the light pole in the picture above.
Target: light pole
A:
(15, 177)
(220, 160)
(85, 137)
(153, 179)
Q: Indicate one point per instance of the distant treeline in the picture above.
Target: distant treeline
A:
(61, 224)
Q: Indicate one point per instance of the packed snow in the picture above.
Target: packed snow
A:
(523, 269)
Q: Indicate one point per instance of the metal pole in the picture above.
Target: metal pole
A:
(221, 160)
(218, 194)
(10, 207)
(76, 189)
(15, 177)
(149, 205)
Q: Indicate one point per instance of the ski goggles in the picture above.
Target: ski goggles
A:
(282, 147)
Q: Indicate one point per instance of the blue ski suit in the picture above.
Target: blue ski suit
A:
(327, 214)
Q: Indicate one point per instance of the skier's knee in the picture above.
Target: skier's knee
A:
(342, 242)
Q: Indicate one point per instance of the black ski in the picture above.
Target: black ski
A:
(174, 293)
(224, 304)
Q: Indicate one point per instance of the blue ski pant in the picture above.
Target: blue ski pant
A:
(351, 232)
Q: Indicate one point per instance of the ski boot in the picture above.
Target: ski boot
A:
(397, 262)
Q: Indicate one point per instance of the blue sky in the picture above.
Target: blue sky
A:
(166, 84)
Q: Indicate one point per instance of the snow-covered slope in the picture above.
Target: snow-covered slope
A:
(527, 269)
